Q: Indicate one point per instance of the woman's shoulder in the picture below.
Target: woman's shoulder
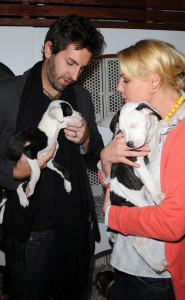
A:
(180, 127)
(176, 137)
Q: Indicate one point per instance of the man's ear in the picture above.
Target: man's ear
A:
(48, 49)
(155, 80)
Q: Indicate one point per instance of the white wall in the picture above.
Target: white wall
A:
(20, 48)
(118, 39)
(16, 50)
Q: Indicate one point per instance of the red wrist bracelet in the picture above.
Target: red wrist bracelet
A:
(101, 179)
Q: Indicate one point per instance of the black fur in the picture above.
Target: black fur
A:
(155, 111)
(119, 201)
(126, 176)
(114, 122)
(15, 144)
(67, 110)
(61, 169)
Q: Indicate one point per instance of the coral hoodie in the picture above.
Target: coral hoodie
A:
(166, 221)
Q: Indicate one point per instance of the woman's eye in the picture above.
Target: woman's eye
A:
(69, 63)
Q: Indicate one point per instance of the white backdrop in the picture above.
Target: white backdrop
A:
(21, 46)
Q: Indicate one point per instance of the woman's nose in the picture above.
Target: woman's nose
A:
(120, 87)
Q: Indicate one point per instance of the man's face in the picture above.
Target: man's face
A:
(65, 67)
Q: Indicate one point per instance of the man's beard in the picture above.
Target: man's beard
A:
(52, 76)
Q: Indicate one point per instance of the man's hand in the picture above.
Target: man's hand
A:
(116, 152)
(78, 132)
(22, 169)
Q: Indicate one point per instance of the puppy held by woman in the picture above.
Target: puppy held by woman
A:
(151, 71)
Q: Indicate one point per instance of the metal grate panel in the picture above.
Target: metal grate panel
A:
(91, 79)
(112, 98)
(92, 173)
(101, 78)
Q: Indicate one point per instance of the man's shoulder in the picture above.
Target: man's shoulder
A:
(82, 94)
(80, 89)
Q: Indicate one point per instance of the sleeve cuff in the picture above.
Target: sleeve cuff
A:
(105, 181)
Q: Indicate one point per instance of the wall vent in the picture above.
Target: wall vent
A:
(101, 78)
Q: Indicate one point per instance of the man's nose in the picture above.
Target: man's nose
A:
(75, 74)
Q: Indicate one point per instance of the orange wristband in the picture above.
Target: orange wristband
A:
(101, 179)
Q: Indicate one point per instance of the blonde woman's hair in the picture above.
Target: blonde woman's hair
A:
(151, 55)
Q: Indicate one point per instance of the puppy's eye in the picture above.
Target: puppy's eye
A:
(67, 111)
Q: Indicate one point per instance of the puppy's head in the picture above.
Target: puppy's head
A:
(61, 112)
(138, 122)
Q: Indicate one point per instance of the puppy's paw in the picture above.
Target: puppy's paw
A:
(161, 266)
(112, 236)
(164, 263)
(67, 186)
(22, 195)
(159, 199)
(29, 191)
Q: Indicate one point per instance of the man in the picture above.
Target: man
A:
(47, 243)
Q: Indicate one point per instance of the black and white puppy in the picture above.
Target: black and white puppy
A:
(138, 122)
(41, 139)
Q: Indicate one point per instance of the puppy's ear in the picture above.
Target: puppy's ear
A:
(114, 121)
(148, 109)
(56, 112)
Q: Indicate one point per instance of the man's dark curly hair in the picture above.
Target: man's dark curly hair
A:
(74, 29)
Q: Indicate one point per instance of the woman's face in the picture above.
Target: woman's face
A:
(133, 89)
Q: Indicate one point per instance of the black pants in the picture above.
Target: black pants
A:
(32, 270)
(130, 287)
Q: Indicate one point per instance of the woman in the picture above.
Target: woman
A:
(151, 71)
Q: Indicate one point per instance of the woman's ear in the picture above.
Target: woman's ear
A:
(155, 80)
(48, 49)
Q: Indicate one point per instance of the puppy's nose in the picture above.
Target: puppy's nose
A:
(130, 144)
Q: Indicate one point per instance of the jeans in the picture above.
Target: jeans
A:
(32, 266)
(32, 270)
(130, 287)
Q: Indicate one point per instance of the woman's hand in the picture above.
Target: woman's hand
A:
(22, 169)
(116, 152)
